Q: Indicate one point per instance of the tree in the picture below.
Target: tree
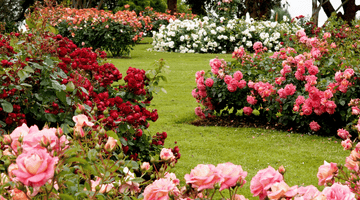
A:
(349, 6)
(257, 9)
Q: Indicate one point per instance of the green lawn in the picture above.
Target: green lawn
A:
(252, 148)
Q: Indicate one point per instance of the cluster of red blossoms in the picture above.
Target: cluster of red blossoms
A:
(87, 82)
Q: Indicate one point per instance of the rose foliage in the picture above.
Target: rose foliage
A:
(116, 32)
(305, 85)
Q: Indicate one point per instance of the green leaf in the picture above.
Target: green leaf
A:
(76, 159)
(50, 117)
(23, 75)
(114, 135)
(342, 102)
(7, 107)
(138, 180)
(66, 197)
(62, 96)
(57, 86)
(29, 69)
(123, 141)
(49, 62)
(26, 85)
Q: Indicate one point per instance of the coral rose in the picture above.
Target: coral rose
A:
(160, 190)
(263, 180)
(204, 177)
(232, 174)
(326, 173)
(36, 167)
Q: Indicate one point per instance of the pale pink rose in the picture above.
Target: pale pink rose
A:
(145, 166)
(79, 131)
(351, 164)
(326, 173)
(3, 178)
(20, 131)
(333, 45)
(344, 134)
(238, 75)
(160, 190)
(338, 191)
(300, 33)
(281, 189)
(247, 110)
(106, 26)
(11, 168)
(314, 126)
(209, 82)
(82, 120)
(251, 100)
(347, 144)
(104, 188)
(7, 152)
(34, 138)
(203, 177)
(326, 35)
(110, 144)
(232, 175)
(251, 84)
(129, 186)
(36, 167)
(239, 197)
(348, 73)
(172, 177)
(355, 110)
(308, 192)
(166, 154)
(263, 180)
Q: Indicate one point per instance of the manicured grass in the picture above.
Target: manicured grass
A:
(252, 148)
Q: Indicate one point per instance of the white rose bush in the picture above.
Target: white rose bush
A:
(221, 36)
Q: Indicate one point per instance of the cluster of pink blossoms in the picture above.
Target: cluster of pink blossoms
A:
(270, 183)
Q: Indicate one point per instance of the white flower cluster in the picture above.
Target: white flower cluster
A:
(207, 36)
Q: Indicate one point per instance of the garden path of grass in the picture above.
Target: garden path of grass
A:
(252, 148)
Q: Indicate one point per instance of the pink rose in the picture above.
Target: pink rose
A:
(344, 134)
(209, 82)
(247, 110)
(160, 190)
(281, 189)
(326, 173)
(348, 73)
(263, 180)
(231, 88)
(82, 120)
(239, 197)
(103, 188)
(36, 167)
(314, 126)
(110, 144)
(145, 166)
(34, 139)
(326, 35)
(232, 175)
(338, 191)
(251, 100)
(347, 144)
(227, 79)
(238, 75)
(167, 155)
(172, 177)
(129, 186)
(20, 131)
(308, 192)
(241, 84)
(355, 110)
(203, 177)
(11, 168)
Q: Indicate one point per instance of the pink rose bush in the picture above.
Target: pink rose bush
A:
(296, 76)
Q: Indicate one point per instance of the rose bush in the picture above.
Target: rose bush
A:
(52, 164)
(292, 86)
(46, 78)
(210, 36)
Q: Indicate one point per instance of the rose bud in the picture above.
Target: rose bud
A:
(110, 144)
(282, 170)
(145, 166)
(7, 139)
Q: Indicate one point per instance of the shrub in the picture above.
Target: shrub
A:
(47, 78)
(220, 36)
(293, 87)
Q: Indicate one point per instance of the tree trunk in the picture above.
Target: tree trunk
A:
(315, 12)
(172, 6)
(349, 6)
